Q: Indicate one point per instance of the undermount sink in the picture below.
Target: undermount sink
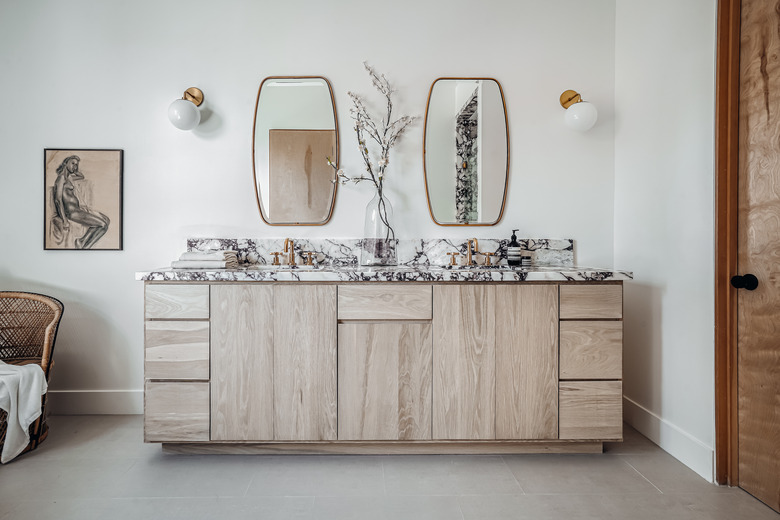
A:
(269, 267)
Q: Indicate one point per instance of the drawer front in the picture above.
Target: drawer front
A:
(591, 350)
(176, 350)
(591, 410)
(176, 412)
(177, 301)
(591, 301)
(385, 302)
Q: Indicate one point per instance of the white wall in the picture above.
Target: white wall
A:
(664, 223)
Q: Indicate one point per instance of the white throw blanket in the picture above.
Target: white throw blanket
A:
(21, 388)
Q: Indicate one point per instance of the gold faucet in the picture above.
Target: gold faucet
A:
(468, 249)
(288, 242)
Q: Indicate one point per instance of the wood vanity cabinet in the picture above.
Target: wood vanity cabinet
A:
(329, 367)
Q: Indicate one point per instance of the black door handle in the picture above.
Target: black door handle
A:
(748, 281)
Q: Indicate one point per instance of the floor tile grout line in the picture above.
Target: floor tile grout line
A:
(522, 490)
(644, 477)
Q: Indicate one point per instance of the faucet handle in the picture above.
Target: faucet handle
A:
(487, 258)
(310, 257)
(453, 258)
(276, 257)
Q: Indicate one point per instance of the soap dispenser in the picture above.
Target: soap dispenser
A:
(513, 250)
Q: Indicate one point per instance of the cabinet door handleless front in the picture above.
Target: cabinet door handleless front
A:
(305, 362)
(527, 362)
(384, 381)
(242, 367)
(464, 362)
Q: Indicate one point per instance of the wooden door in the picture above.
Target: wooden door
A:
(464, 362)
(527, 362)
(384, 381)
(242, 377)
(305, 362)
(758, 315)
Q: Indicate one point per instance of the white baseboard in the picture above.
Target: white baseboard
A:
(678, 443)
(96, 402)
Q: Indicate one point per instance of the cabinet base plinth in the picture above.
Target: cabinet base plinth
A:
(383, 448)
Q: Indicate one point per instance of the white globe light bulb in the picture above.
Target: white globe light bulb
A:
(183, 114)
(581, 116)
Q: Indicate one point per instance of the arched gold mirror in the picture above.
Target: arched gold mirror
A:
(295, 133)
(466, 151)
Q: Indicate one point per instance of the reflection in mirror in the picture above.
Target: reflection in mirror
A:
(295, 133)
(466, 151)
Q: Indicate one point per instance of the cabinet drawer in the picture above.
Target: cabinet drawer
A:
(176, 350)
(177, 301)
(591, 410)
(176, 412)
(591, 301)
(385, 302)
(591, 350)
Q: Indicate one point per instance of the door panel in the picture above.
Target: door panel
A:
(305, 362)
(242, 388)
(384, 381)
(464, 362)
(527, 362)
(759, 252)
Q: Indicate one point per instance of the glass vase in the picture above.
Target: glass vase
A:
(379, 241)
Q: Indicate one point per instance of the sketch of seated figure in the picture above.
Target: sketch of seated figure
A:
(68, 208)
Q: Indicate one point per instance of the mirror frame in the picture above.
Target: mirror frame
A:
(337, 161)
(425, 169)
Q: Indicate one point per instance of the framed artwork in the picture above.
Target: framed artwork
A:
(82, 199)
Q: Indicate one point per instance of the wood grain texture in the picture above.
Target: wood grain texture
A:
(385, 302)
(591, 301)
(759, 252)
(176, 412)
(383, 448)
(591, 350)
(181, 301)
(527, 362)
(464, 362)
(591, 410)
(305, 349)
(242, 368)
(384, 381)
(176, 350)
(726, 241)
(300, 187)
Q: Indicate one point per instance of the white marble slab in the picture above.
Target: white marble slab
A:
(387, 274)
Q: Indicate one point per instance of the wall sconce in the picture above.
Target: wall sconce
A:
(184, 113)
(580, 115)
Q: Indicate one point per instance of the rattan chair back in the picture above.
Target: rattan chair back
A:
(28, 330)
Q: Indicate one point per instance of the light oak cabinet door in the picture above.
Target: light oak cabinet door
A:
(464, 362)
(527, 362)
(242, 368)
(305, 362)
(384, 381)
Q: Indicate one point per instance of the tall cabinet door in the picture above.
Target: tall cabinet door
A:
(384, 381)
(527, 362)
(464, 363)
(305, 362)
(242, 377)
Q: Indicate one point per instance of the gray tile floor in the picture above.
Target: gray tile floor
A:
(94, 467)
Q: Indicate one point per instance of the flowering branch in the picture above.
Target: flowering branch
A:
(385, 134)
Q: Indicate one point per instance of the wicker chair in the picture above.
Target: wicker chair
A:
(28, 328)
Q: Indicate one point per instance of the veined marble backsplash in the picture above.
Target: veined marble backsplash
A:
(340, 252)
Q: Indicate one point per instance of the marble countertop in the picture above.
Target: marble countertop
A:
(401, 273)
